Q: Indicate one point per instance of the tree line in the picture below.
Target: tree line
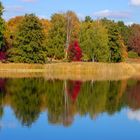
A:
(29, 39)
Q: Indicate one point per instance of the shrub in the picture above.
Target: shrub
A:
(74, 52)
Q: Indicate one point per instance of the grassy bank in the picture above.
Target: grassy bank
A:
(73, 71)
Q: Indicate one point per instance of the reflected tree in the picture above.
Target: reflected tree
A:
(63, 99)
(26, 99)
(133, 96)
(2, 95)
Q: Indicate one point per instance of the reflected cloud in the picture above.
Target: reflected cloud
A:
(8, 124)
(134, 115)
(112, 14)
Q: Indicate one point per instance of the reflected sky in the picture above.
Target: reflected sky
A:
(40, 109)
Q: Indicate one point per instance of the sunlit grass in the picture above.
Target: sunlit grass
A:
(89, 71)
(74, 71)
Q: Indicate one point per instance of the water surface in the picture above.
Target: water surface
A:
(35, 108)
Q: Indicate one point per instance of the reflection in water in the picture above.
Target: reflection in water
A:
(134, 115)
(2, 94)
(64, 99)
(133, 95)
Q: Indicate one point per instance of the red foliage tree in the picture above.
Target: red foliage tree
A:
(2, 55)
(134, 39)
(74, 52)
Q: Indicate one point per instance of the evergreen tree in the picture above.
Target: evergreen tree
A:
(116, 43)
(29, 42)
(124, 30)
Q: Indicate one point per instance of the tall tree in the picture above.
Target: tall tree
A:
(116, 43)
(94, 41)
(11, 29)
(124, 31)
(57, 37)
(28, 44)
(73, 27)
(134, 39)
(1, 27)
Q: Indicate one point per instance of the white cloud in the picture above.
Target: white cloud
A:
(81, 16)
(134, 115)
(112, 14)
(30, 1)
(135, 2)
(129, 23)
(14, 8)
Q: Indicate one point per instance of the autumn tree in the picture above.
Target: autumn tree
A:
(28, 44)
(134, 39)
(73, 27)
(11, 30)
(74, 52)
(64, 30)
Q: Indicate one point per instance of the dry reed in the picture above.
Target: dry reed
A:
(73, 71)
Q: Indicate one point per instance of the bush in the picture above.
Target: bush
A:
(132, 54)
(74, 52)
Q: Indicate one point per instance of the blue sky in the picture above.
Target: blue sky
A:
(126, 10)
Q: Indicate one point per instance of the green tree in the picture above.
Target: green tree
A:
(124, 31)
(29, 42)
(2, 27)
(94, 41)
(57, 37)
(88, 19)
(116, 43)
(26, 98)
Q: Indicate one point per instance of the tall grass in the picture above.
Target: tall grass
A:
(89, 71)
(74, 71)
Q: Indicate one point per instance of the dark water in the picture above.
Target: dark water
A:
(64, 110)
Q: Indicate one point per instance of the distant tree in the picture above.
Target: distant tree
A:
(94, 41)
(2, 28)
(88, 19)
(134, 39)
(74, 52)
(29, 42)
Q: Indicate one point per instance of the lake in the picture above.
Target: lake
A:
(36, 108)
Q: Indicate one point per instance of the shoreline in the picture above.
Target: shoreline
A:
(82, 71)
